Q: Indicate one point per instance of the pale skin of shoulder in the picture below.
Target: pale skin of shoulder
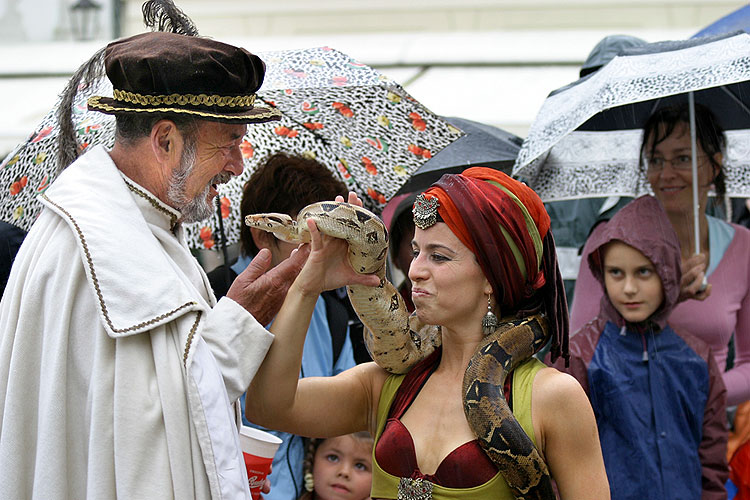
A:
(566, 433)
(564, 424)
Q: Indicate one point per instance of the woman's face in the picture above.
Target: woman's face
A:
(673, 186)
(448, 286)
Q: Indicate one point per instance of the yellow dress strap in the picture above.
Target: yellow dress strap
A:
(385, 485)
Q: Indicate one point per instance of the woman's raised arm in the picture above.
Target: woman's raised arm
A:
(313, 406)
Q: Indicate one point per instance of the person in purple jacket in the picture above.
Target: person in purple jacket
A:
(723, 311)
(656, 390)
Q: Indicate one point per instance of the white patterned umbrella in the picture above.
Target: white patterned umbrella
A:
(586, 138)
(363, 126)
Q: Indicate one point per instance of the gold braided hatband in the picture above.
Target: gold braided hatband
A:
(244, 101)
(254, 116)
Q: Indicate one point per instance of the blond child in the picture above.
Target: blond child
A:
(339, 468)
(657, 393)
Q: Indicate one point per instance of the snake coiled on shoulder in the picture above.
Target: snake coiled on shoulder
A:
(397, 340)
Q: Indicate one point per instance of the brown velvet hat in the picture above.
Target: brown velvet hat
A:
(162, 72)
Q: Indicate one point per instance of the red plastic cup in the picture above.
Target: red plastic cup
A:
(258, 449)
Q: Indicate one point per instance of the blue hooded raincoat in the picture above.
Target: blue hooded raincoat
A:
(657, 394)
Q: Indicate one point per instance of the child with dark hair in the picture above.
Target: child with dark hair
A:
(656, 391)
(338, 468)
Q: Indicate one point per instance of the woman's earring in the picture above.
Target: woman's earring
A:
(309, 481)
(489, 321)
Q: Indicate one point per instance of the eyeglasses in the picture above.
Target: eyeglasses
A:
(679, 162)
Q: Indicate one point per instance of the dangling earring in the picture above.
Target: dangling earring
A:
(308, 477)
(489, 321)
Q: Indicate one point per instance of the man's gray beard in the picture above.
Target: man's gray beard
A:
(198, 208)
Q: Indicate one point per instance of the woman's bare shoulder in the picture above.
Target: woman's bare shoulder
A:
(558, 391)
(369, 374)
(364, 379)
(568, 436)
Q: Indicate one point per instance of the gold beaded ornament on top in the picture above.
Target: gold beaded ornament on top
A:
(425, 211)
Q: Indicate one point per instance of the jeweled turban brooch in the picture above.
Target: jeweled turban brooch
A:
(425, 211)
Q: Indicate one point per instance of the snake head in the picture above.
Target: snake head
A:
(281, 225)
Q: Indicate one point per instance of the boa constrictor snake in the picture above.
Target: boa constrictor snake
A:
(397, 341)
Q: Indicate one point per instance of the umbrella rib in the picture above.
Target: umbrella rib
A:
(736, 99)
(422, 71)
(656, 105)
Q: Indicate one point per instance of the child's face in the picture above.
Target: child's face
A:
(631, 281)
(342, 468)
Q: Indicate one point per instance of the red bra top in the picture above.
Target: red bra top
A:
(465, 467)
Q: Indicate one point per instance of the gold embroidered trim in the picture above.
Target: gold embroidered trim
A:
(270, 114)
(190, 337)
(155, 204)
(414, 489)
(183, 99)
(94, 278)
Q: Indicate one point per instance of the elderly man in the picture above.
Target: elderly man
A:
(118, 368)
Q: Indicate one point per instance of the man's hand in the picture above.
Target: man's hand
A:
(261, 291)
(693, 274)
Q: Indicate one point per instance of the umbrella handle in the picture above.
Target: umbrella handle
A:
(694, 155)
(696, 206)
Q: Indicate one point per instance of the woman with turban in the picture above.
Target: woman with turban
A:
(482, 251)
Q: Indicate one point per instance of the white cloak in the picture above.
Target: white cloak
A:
(118, 369)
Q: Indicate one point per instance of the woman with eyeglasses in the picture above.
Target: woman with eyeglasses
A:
(723, 308)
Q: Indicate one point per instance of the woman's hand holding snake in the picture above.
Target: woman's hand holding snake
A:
(328, 266)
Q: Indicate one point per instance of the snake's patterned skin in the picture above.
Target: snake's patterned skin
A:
(397, 341)
(488, 414)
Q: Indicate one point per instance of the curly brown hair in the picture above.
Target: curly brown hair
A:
(286, 184)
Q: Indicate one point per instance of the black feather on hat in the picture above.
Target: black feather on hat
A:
(164, 15)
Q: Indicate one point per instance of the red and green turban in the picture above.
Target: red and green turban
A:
(504, 223)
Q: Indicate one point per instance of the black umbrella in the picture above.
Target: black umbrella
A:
(483, 145)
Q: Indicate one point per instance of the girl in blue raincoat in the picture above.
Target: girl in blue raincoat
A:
(657, 393)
